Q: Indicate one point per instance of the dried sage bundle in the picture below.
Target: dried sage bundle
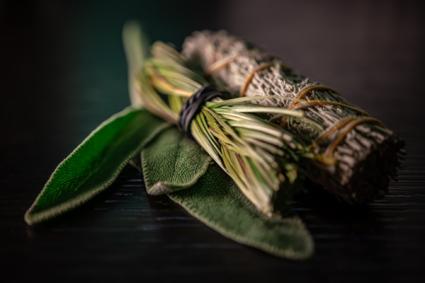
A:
(358, 153)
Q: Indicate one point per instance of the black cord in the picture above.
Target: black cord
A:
(194, 104)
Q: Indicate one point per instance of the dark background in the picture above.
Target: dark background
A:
(63, 71)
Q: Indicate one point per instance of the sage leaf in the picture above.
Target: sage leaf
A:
(95, 163)
(216, 201)
(172, 162)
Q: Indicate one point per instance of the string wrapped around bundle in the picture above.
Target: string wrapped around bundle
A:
(261, 158)
(358, 154)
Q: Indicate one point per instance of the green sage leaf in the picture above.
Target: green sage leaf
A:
(172, 162)
(216, 201)
(95, 163)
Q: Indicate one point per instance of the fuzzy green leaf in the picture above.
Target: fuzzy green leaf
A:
(172, 162)
(217, 202)
(95, 163)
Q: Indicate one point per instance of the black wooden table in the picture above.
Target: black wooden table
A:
(63, 72)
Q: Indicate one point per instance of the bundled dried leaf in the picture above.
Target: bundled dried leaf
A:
(358, 154)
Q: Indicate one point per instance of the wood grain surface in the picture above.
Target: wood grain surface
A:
(63, 72)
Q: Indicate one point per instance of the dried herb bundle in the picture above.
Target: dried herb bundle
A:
(358, 154)
(260, 157)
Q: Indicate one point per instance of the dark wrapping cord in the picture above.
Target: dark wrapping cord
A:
(194, 104)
